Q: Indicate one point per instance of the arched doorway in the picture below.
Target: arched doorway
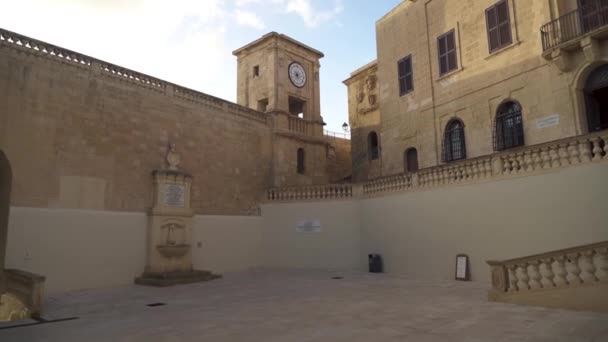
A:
(596, 99)
(5, 196)
(373, 146)
(410, 160)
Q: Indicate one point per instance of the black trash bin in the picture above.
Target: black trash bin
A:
(375, 263)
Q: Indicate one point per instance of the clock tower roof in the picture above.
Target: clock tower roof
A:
(274, 36)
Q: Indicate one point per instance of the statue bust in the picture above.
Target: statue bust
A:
(172, 158)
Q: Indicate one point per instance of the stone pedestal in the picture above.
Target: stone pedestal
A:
(169, 250)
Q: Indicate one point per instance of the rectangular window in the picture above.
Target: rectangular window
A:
(498, 23)
(256, 71)
(263, 105)
(446, 45)
(406, 75)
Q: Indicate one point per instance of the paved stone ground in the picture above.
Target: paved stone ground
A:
(306, 306)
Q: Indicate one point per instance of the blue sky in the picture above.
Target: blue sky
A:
(189, 42)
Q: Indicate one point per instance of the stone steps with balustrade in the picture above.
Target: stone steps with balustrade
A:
(574, 278)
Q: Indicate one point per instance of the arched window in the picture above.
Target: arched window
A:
(508, 127)
(454, 147)
(596, 99)
(301, 161)
(410, 160)
(373, 147)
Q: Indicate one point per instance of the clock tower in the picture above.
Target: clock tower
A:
(280, 76)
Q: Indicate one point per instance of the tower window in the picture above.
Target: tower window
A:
(296, 107)
(301, 161)
(263, 105)
(256, 71)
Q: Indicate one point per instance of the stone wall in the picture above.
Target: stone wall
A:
(339, 159)
(81, 133)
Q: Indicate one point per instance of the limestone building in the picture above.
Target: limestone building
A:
(463, 79)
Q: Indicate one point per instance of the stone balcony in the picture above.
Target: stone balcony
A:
(575, 31)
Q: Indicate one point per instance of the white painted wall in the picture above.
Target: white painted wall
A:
(79, 249)
(419, 234)
(337, 246)
(228, 243)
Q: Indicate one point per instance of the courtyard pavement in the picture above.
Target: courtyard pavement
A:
(290, 305)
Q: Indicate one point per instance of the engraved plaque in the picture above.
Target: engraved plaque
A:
(548, 121)
(308, 226)
(174, 195)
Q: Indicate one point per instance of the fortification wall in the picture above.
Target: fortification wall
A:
(83, 133)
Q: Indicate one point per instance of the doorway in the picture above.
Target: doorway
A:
(596, 99)
(5, 196)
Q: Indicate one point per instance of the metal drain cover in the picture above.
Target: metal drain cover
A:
(156, 304)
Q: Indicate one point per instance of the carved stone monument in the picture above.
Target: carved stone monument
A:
(169, 250)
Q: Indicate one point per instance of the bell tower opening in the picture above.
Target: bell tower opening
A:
(297, 107)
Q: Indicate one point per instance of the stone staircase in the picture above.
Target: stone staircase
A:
(573, 278)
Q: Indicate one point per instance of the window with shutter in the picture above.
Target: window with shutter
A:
(406, 79)
(446, 46)
(498, 23)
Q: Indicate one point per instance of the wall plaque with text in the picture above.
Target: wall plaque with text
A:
(174, 195)
(308, 226)
(547, 121)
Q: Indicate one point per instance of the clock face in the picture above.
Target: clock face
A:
(297, 75)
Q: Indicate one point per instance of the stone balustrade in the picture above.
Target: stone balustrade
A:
(98, 67)
(309, 193)
(297, 125)
(562, 270)
(528, 160)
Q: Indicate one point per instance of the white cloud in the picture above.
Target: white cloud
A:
(243, 3)
(250, 19)
(183, 41)
(312, 16)
(309, 11)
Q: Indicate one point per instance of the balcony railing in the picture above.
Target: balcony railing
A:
(523, 161)
(574, 25)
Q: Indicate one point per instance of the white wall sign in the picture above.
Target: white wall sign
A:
(547, 121)
(174, 195)
(308, 226)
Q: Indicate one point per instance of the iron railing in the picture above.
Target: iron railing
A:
(574, 24)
